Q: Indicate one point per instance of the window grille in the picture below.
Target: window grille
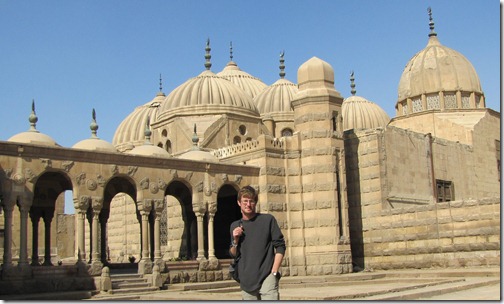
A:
(417, 105)
(450, 101)
(433, 102)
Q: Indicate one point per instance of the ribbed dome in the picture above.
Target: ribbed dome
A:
(33, 136)
(432, 78)
(130, 132)
(248, 83)
(360, 113)
(207, 93)
(437, 68)
(277, 97)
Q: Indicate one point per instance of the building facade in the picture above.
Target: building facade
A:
(351, 188)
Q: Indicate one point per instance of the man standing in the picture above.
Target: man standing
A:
(257, 239)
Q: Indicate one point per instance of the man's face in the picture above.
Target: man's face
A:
(247, 205)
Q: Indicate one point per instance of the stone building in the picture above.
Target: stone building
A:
(350, 187)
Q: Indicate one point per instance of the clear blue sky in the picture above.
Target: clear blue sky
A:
(75, 55)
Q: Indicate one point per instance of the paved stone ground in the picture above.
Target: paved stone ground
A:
(464, 284)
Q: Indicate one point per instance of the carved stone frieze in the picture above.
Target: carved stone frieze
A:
(100, 180)
(114, 169)
(81, 178)
(132, 170)
(96, 202)
(153, 187)
(161, 184)
(82, 202)
(46, 162)
(67, 165)
(144, 183)
(91, 184)
(238, 179)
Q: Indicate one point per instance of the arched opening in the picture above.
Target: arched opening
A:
(120, 223)
(47, 246)
(228, 211)
(182, 224)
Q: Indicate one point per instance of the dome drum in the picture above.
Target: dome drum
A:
(443, 100)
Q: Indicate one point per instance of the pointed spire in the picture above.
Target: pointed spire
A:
(231, 51)
(33, 118)
(160, 93)
(147, 132)
(282, 66)
(208, 64)
(431, 23)
(352, 83)
(195, 139)
(94, 125)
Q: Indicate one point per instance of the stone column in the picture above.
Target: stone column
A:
(35, 218)
(48, 216)
(7, 255)
(145, 264)
(211, 244)
(95, 255)
(104, 215)
(23, 237)
(81, 206)
(158, 208)
(201, 246)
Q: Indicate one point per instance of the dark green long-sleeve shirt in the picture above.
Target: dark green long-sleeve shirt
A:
(261, 239)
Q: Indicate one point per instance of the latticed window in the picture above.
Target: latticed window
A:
(287, 132)
(433, 102)
(163, 225)
(450, 101)
(444, 191)
(417, 105)
(465, 102)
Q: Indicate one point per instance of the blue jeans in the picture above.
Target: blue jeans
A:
(268, 290)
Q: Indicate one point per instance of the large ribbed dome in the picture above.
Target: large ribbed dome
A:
(437, 70)
(248, 83)
(207, 93)
(33, 136)
(130, 132)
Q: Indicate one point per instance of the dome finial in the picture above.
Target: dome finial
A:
(195, 139)
(147, 132)
(160, 83)
(231, 51)
(208, 64)
(94, 125)
(33, 118)
(352, 83)
(282, 66)
(431, 23)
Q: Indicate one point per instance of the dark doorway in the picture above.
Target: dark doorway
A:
(228, 211)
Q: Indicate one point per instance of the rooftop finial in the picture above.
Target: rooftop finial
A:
(352, 83)
(208, 64)
(195, 139)
(160, 83)
(431, 23)
(147, 132)
(282, 66)
(231, 51)
(33, 117)
(94, 125)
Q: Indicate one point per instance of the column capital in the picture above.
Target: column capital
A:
(82, 202)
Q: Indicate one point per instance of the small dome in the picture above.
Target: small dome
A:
(94, 143)
(149, 150)
(248, 83)
(360, 113)
(130, 132)
(199, 155)
(33, 136)
(277, 97)
(316, 76)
